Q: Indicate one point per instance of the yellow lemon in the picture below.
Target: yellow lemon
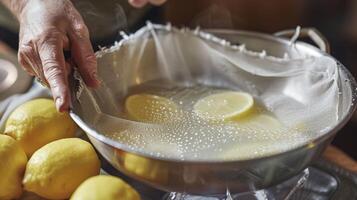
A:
(12, 166)
(105, 187)
(150, 108)
(225, 105)
(58, 168)
(149, 169)
(36, 123)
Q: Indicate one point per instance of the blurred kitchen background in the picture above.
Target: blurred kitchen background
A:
(336, 19)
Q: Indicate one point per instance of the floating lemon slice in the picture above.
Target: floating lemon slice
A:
(224, 105)
(261, 122)
(150, 108)
(262, 130)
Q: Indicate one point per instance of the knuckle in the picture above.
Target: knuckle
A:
(26, 51)
(90, 59)
(48, 36)
(26, 48)
(39, 41)
(52, 70)
(81, 30)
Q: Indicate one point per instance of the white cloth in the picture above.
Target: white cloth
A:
(305, 91)
(299, 88)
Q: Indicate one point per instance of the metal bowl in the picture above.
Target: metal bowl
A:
(208, 177)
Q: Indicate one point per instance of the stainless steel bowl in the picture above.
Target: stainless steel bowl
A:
(203, 177)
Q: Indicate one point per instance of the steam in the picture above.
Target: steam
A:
(102, 19)
(214, 17)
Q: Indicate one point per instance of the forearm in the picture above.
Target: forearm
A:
(15, 6)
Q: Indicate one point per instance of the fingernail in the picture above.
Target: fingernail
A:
(59, 103)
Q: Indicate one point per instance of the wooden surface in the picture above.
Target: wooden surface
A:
(337, 156)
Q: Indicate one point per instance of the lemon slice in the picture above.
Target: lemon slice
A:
(224, 105)
(150, 108)
(261, 122)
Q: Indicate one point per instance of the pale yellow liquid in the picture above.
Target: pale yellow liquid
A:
(189, 137)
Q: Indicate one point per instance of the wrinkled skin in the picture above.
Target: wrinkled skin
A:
(47, 29)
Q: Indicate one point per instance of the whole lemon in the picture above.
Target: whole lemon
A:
(12, 166)
(105, 187)
(58, 168)
(36, 123)
(152, 170)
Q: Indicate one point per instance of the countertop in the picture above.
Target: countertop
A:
(340, 158)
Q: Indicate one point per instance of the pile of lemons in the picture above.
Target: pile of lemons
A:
(40, 154)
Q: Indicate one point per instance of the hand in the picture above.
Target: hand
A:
(47, 28)
(141, 3)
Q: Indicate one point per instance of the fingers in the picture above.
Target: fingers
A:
(141, 3)
(82, 53)
(55, 72)
(44, 58)
(28, 59)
